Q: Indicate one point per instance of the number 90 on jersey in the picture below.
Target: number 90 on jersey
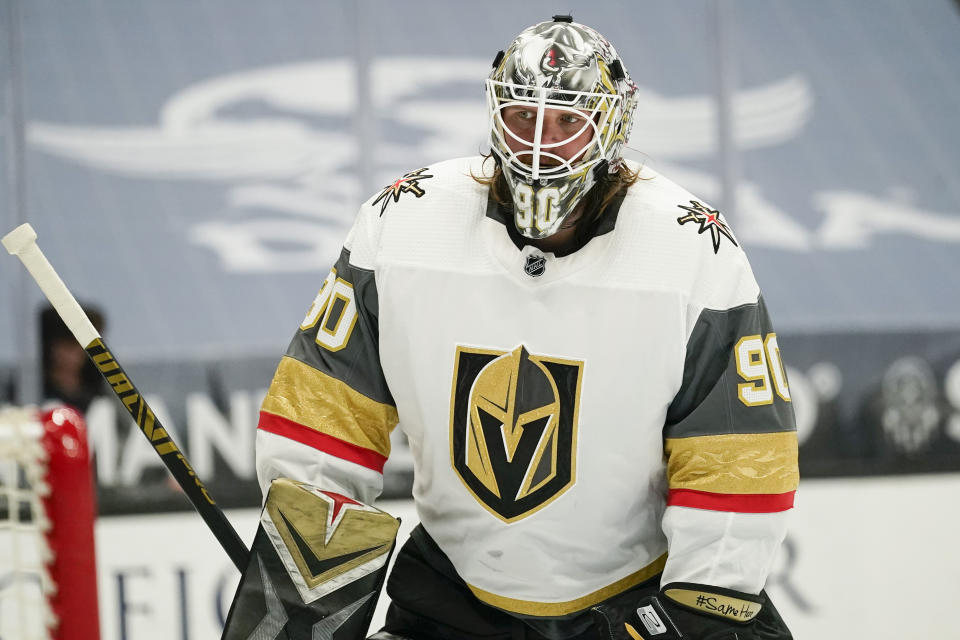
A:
(536, 210)
(335, 308)
(758, 362)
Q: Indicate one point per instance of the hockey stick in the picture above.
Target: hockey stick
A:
(22, 242)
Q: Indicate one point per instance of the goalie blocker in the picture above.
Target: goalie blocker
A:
(316, 567)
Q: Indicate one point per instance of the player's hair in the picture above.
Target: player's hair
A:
(607, 187)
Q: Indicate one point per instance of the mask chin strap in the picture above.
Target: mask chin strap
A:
(538, 132)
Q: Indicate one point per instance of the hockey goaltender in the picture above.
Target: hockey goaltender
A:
(581, 359)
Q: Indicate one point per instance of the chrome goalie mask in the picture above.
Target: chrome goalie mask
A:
(559, 85)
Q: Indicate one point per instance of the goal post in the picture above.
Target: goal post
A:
(48, 576)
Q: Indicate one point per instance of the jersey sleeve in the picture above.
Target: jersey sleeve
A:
(328, 413)
(731, 452)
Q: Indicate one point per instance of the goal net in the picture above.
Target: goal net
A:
(47, 564)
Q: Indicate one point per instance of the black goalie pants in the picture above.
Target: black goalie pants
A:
(430, 602)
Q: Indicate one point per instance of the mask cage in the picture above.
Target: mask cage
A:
(599, 111)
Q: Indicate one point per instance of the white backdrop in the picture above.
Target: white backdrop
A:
(866, 558)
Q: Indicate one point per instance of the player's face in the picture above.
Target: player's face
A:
(565, 132)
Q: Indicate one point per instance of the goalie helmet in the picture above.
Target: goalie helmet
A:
(567, 70)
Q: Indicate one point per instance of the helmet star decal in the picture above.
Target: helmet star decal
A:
(407, 183)
(709, 219)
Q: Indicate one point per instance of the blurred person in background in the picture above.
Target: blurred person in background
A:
(68, 374)
(579, 354)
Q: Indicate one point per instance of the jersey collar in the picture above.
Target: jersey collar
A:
(603, 225)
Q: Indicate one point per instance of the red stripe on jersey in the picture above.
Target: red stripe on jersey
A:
(738, 502)
(342, 449)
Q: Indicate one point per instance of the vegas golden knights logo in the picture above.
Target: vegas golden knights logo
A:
(513, 428)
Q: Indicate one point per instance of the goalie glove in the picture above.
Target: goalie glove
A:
(316, 567)
(686, 611)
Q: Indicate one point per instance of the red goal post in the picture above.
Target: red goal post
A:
(48, 577)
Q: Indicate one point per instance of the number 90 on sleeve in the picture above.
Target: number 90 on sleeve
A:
(335, 308)
(758, 362)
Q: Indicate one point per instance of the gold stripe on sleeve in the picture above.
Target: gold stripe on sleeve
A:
(755, 463)
(327, 405)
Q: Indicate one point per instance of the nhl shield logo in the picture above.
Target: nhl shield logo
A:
(513, 428)
(535, 265)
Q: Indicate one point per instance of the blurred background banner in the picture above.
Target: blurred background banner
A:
(193, 167)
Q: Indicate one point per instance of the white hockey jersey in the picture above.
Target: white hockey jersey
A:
(571, 419)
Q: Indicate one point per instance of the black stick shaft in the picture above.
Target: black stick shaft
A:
(22, 242)
(136, 405)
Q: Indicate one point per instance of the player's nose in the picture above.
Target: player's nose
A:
(552, 131)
